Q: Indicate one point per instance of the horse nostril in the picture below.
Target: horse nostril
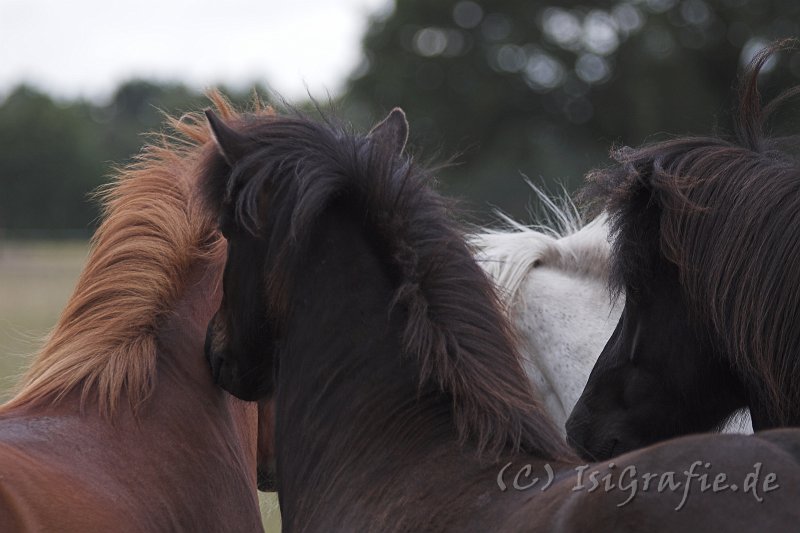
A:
(574, 443)
(577, 440)
(606, 449)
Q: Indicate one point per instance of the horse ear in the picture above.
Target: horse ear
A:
(393, 130)
(230, 143)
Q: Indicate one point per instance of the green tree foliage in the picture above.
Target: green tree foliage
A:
(54, 154)
(547, 88)
(49, 158)
(540, 88)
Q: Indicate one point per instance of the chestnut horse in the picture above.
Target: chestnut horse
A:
(352, 299)
(117, 425)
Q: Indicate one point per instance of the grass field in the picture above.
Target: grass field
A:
(36, 279)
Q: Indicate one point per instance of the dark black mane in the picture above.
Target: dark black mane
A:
(726, 212)
(294, 168)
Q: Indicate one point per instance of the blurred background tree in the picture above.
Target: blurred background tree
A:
(547, 88)
(514, 87)
(53, 154)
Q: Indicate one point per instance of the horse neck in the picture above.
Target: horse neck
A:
(185, 398)
(187, 433)
(350, 412)
(210, 436)
(219, 431)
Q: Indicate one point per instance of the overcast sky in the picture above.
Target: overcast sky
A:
(86, 47)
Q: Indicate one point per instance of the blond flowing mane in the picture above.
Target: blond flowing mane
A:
(154, 230)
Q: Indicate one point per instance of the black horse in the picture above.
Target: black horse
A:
(706, 237)
(353, 302)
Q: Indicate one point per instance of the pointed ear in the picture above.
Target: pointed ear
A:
(393, 130)
(231, 144)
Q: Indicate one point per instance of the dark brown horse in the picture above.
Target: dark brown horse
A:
(352, 301)
(117, 425)
(706, 239)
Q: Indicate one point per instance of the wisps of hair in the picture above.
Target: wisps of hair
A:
(154, 231)
(560, 241)
(728, 215)
(455, 328)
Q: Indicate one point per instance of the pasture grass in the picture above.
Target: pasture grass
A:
(36, 279)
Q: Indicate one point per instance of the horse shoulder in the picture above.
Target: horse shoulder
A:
(41, 489)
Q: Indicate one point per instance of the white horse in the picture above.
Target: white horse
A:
(554, 281)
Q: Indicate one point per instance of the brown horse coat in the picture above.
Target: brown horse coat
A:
(117, 425)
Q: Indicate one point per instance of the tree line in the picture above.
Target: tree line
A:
(509, 88)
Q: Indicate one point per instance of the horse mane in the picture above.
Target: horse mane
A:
(455, 329)
(728, 214)
(562, 241)
(154, 231)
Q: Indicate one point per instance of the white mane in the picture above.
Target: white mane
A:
(553, 279)
(560, 241)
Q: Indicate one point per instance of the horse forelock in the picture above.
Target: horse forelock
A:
(508, 257)
(155, 239)
(727, 214)
(561, 241)
(455, 328)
